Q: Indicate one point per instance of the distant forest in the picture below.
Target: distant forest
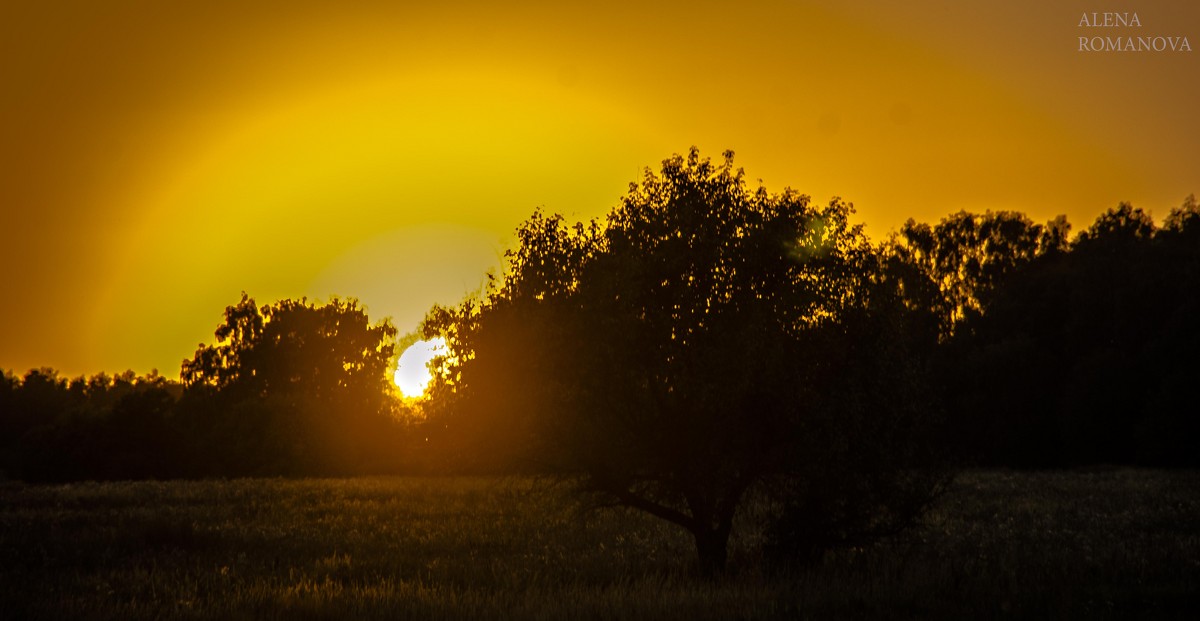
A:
(1047, 350)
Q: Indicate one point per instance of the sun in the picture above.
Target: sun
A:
(412, 372)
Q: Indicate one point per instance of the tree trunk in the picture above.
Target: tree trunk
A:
(712, 548)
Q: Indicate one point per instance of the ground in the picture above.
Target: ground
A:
(1099, 544)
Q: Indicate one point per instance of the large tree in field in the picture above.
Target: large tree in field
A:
(706, 339)
(294, 387)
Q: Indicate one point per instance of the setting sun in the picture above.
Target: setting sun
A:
(690, 310)
(412, 372)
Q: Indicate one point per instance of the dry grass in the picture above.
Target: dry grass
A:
(1116, 544)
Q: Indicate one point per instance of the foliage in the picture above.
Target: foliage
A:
(966, 256)
(101, 427)
(707, 338)
(289, 388)
(1087, 356)
(295, 346)
(293, 388)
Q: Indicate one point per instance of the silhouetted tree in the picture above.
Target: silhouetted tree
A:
(708, 338)
(140, 437)
(293, 388)
(1169, 428)
(966, 256)
(95, 428)
(1084, 356)
(958, 269)
(33, 400)
(11, 427)
(38, 404)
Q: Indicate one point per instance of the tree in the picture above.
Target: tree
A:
(966, 256)
(100, 427)
(294, 387)
(1085, 356)
(707, 339)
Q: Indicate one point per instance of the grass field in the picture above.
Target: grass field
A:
(1114, 544)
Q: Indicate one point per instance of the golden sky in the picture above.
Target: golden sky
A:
(158, 158)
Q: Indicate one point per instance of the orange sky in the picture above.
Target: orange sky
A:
(158, 158)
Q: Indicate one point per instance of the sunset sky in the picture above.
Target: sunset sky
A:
(159, 158)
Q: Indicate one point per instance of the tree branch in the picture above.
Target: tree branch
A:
(629, 499)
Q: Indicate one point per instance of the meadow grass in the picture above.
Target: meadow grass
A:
(1107, 544)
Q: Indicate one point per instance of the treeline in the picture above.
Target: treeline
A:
(289, 389)
(102, 427)
(1051, 349)
(1065, 353)
(1053, 352)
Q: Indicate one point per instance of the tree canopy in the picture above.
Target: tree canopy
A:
(1086, 356)
(295, 387)
(966, 256)
(707, 338)
(295, 346)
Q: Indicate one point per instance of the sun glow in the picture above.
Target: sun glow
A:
(412, 372)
